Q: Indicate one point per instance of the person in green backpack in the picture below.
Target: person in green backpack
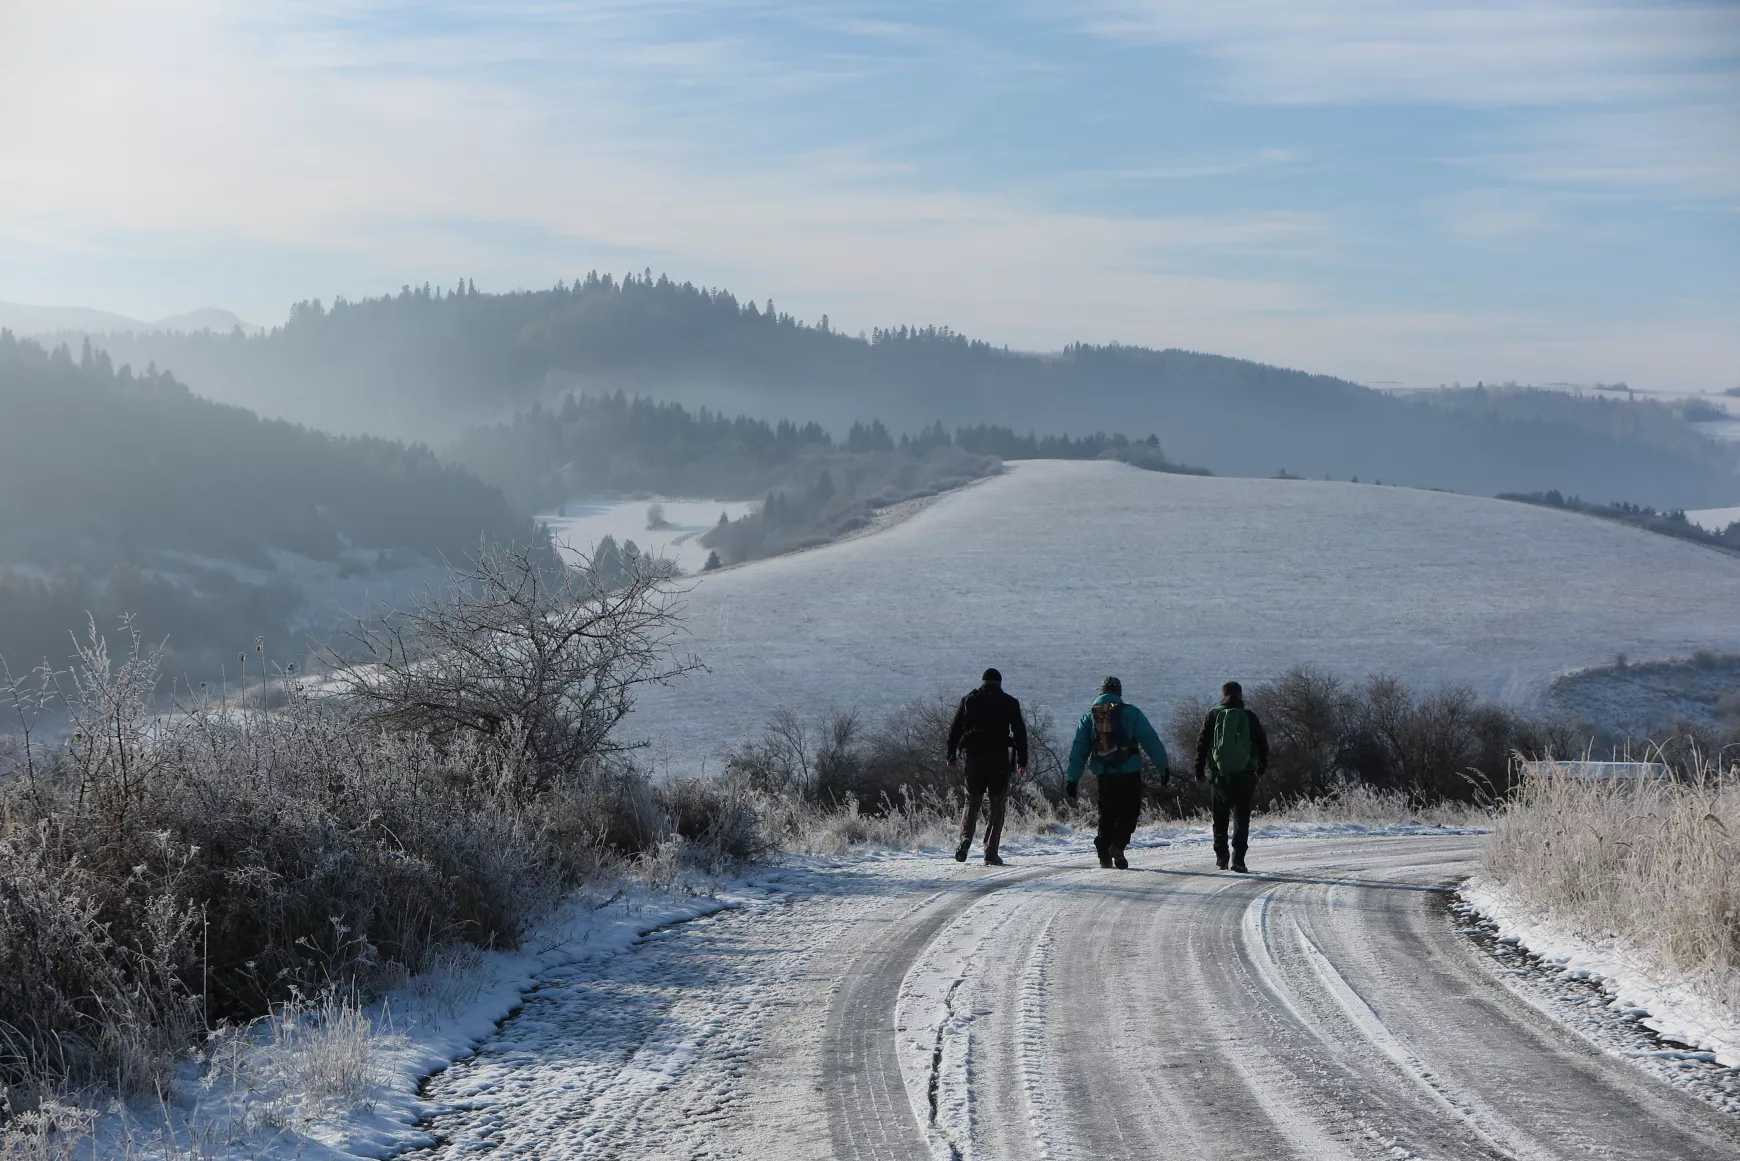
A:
(1235, 752)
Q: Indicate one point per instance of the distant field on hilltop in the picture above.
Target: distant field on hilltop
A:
(1061, 572)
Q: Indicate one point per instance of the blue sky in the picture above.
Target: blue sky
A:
(1388, 190)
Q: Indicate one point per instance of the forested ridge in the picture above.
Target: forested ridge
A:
(124, 492)
(429, 362)
(617, 445)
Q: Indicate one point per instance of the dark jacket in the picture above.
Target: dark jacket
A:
(1137, 728)
(1205, 741)
(987, 725)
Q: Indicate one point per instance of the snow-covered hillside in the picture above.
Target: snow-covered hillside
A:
(581, 524)
(1060, 573)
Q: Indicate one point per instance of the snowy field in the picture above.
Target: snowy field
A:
(1714, 519)
(1059, 573)
(581, 524)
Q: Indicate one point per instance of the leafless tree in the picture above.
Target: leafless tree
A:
(539, 658)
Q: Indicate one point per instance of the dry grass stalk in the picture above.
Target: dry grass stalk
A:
(1651, 864)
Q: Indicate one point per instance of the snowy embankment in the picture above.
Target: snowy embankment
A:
(1670, 1005)
(1632, 883)
(263, 1098)
(273, 1096)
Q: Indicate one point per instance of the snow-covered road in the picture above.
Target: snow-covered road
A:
(1326, 1007)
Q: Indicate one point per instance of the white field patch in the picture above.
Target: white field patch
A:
(1059, 573)
(581, 524)
(1714, 519)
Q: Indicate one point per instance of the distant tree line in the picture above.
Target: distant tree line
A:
(817, 487)
(1672, 523)
(614, 445)
(428, 361)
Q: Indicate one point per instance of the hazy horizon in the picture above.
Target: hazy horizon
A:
(1371, 189)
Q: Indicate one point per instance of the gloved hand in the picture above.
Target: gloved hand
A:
(1071, 791)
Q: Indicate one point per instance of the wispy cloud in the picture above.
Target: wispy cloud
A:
(1491, 215)
(1469, 52)
(882, 161)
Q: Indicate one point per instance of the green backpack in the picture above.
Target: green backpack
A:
(1232, 740)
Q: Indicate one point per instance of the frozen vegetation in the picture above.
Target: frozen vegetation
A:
(1059, 573)
(1654, 698)
(1634, 883)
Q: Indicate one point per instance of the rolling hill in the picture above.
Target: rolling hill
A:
(425, 363)
(1059, 573)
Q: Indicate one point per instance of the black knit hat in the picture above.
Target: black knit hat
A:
(1112, 685)
(991, 675)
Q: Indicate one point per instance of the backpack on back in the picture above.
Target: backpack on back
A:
(1113, 745)
(1232, 740)
(987, 723)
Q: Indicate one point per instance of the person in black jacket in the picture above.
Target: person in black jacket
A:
(986, 729)
(1234, 749)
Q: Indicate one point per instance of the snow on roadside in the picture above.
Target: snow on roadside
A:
(1672, 1008)
(415, 1031)
(241, 1109)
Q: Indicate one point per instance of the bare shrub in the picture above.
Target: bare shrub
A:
(1305, 713)
(540, 659)
(721, 818)
(163, 870)
(1728, 708)
(655, 517)
(893, 764)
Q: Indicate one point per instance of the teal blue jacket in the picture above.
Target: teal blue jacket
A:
(1136, 725)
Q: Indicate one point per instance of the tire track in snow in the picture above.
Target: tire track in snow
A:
(1502, 1136)
(1040, 1092)
(870, 1113)
(1327, 1009)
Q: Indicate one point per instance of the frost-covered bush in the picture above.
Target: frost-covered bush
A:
(720, 817)
(162, 870)
(897, 762)
(1654, 864)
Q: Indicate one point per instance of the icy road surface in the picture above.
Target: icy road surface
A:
(1060, 573)
(1324, 1008)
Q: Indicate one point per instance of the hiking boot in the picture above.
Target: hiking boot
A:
(993, 861)
(1101, 850)
(961, 852)
(1239, 866)
(1220, 861)
(1119, 861)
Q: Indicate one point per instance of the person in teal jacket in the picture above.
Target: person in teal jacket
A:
(1110, 740)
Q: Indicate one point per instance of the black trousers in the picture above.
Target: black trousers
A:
(1231, 797)
(986, 777)
(1120, 803)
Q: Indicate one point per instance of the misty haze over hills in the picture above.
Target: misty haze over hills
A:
(79, 321)
(426, 363)
(125, 493)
